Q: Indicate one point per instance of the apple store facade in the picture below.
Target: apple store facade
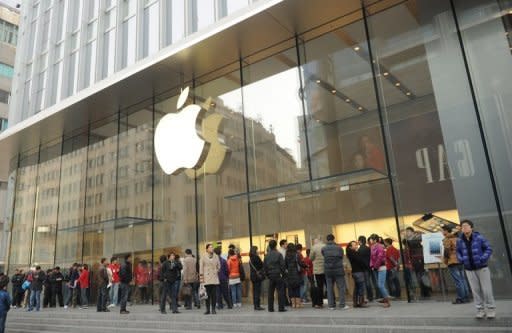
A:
(351, 118)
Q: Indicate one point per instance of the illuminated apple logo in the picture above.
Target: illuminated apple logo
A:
(178, 144)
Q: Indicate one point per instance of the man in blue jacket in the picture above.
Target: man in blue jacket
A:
(474, 251)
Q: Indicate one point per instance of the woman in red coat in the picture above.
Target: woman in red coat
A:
(83, 280)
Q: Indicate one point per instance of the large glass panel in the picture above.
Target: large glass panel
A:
(174, 200)
(274, 115)
(23, 218)
(47, 201)
(175, 22)
(90, 63)
(128, 42)
(222, 221)
(151, 35)
(486, 28)
(72, 201)
(205, 13)
(109, 52)
(436, 147)
(342, 120)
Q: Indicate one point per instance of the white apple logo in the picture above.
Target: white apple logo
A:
(178, 144)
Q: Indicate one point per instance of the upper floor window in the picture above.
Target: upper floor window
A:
(8, 32)
(3, 124)
(4, 96)
(6, 70)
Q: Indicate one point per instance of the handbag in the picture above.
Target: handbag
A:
(186, 290)
(202, 292)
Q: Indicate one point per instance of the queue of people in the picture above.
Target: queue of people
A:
(218, 279)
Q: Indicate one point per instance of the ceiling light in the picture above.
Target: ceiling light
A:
(360, 108)
(347, 100)
(357, 48)
(408, 93)
(318, 81)
(386, 73)
(333, 91)
(397, 84)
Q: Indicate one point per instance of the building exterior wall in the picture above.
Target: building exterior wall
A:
(9, 19)
(368, 126)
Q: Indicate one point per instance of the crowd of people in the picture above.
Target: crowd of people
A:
(296, 278)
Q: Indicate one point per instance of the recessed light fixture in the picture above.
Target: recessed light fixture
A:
(386, 73)
(357, 48)
(397, 84)
(347, 100)
(360, 108)
(318, 81)
(408, 93)
(333, 91)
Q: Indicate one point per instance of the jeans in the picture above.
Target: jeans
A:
(2, 322)
(393, 283)
(177, 286)
(124, 290)
(481, 285)
(371, 283)
(194, 297)
(273, 285)
(143, 294)
(304, 288)
(173, 288)
(101, 304)
(256, 294)
(461, 285)
(56, 295)
(17, 295)
(164, 292)
(380, 276)
(114, 292)
(223, 293)
(358, 284)
(83, 297)
(340, 283)
(35, 300)
(236, 293)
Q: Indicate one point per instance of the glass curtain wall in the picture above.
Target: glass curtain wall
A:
(367, 127)
(431, 122)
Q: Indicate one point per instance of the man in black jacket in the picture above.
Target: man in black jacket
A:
(125, 277)
(36, 287)
(101, 305)
(57, 279)
(17, 292)
(274, 268)
(48, 281)
(334, 272)
(170, 270)
(369, 278)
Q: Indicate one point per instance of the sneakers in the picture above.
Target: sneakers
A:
(345, 307)
(332, 308)
(480, 314)
(111, 305)
(65, 307)
(491, 314)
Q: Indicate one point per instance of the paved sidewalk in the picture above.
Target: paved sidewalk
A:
(429, 316)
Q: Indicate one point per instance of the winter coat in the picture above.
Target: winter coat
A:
(365, 253)
(475, 252)
(5, 302)
(189, 272)
(170, 270)
(209, 267)
(333, 259)
(377, 256)
(126, 273)
(293, 270)
(102, 277)
(233, 267)
(356, 261)
(256, 265)
(37, 280)
(273, 265)
(317, 258)
(142, 275)
(17, 280)
(392, 258)
(84, 279)
(450, 250)
(224, 270)
(115, 272)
